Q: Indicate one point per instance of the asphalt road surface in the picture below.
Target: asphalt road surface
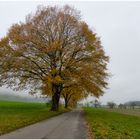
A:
(70, 125)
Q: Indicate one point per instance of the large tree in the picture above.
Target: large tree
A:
(51, 51)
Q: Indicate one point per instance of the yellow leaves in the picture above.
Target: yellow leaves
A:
(57, 80)
(47, 88)
(48, 83)
(3, 45)
(54, 80)
(56, 47)
(15, 33)
(87, 33)
(53, 72)
(3, 41)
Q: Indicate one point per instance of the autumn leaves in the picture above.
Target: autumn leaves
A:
(56, 53)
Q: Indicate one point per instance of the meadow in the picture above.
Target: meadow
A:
(15, 115)
(105, 124)
(134, 112)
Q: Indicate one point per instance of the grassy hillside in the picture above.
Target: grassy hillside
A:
(111, 125)
(14, 115)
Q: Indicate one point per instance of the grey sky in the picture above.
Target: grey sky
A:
(118, 25)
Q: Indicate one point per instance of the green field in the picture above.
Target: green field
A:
(134, 112)
(14, 115)
(112, 125)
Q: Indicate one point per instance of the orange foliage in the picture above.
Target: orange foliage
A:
(53, 47)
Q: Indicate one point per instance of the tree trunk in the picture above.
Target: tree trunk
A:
(66, 103)
(55, 98)
(55, 102)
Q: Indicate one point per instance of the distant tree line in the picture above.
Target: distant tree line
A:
(131, 104)
(97, 104)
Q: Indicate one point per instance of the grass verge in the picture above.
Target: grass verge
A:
(112, 125)
(15, 115)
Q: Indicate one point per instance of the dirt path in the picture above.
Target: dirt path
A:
(69, 125)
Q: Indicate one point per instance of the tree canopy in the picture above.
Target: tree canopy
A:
(53, 51)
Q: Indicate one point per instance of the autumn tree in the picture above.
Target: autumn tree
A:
(72, 94)
(51, 51)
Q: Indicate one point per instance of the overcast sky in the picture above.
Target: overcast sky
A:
(118, 26)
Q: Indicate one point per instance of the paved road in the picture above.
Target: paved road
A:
(70, 125)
